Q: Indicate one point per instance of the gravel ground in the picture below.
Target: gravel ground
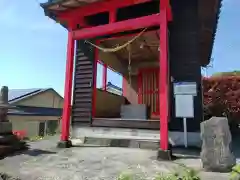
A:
(45, 162)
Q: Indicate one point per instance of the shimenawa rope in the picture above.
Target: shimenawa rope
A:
(118, 48)
(115, 49)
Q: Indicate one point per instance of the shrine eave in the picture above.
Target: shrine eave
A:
(209, 13)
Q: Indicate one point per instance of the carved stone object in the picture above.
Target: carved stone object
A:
(3, 103)
(216, 154)
(9, 143)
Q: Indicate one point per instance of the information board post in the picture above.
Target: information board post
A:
(185, 132)
(184, 93)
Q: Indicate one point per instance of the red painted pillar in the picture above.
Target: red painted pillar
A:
(165, 4)
(68, 88)
(140, 89)
(94, 97)
(104, 77)
(112, 16)
(124, 86)
(163, 83)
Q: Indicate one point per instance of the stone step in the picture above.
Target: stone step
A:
(117, 142)
(175, 138)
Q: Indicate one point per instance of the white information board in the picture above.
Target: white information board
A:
(181, 88)
(184, 107)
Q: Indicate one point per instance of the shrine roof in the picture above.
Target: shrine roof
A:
(62, 5)
(209, 12)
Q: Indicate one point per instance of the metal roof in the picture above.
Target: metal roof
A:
(110, 85)
(34, 111)
(15, 95)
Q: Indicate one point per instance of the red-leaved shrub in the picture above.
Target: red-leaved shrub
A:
(222, 96)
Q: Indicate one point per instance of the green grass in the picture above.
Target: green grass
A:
(235, 174)
(37, 138)
(184, 173)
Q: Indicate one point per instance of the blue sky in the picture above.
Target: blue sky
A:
(33, 47)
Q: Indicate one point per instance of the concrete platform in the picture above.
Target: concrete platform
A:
(133, 138)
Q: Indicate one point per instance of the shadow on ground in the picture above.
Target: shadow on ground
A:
(4, 176)
(186, 153)
(31, 152)
(194, 153)
(37, 152)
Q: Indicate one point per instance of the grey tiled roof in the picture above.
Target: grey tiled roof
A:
(19, 94)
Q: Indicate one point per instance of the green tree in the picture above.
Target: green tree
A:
(230, 73)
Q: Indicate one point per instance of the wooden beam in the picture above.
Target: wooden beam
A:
(127, 25)
(130, 35)
(98, 7)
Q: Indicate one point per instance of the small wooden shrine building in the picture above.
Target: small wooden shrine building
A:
(151, 43)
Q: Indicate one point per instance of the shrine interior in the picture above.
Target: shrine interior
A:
(138, 63)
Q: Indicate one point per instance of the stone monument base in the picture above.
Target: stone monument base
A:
(9, 143)
(5, 127)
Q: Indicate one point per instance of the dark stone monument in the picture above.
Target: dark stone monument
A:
(8, 141)
(5, 125)
(3, 104)
(216, 152)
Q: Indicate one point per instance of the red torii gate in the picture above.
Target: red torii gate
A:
(76, 16)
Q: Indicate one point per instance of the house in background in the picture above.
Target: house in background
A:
(35, 111)
(114, 89)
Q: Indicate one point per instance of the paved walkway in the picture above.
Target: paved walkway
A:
(45, 162)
